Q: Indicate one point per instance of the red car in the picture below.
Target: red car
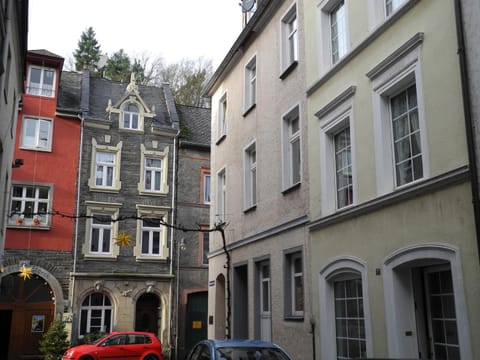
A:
(119, 346)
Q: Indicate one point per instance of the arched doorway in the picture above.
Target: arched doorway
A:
(147, 313)
(27, 308)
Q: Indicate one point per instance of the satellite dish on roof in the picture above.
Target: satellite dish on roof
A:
(247, 5)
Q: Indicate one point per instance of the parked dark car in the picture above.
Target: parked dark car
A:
(119, 346)
(237, 350)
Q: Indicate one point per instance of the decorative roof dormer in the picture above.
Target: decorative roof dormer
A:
(131, 110)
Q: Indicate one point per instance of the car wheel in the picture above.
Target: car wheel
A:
(85, 358)
(150, 357)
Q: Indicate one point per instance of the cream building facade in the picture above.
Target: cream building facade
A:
(257, 281)
(394, 255)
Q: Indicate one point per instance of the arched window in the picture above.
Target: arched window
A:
(344, 313)
(130, 117)
(95, 314)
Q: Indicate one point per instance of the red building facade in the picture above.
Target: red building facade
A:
(38, 243)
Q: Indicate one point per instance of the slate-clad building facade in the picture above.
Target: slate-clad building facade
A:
(192, 211)
(122, 274)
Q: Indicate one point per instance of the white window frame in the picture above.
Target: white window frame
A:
(38, 219)
(347, 150)
(340, 267)
(377, 11)
(155, 212)
(395, 5)
(127, 115)
(154, 154)
(401, 69)
(289, 138)
(334, 117)
(206, 186)
(292, 275)
(103, 239)
(40, 89)
(250, 85)
(222, 117)
(38, 123)
(325, 50)
(89, 308)
(107, 209)
(338, 21)
(116, 151)
(290, 37)
(221, 195)
(250, 175)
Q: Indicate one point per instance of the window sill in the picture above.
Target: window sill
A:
(36, 149)
(152, 193)
(106, 190)
(100, 257)
(220, 139)
(294, 318)
(135, 131)
(249, 109)
(250, 209)
(150, 259)
(29, 227)
(288, 70)
(291, 188)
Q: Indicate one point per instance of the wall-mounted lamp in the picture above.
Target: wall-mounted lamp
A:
(17, 163)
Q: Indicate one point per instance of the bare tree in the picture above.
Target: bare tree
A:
(187, 79)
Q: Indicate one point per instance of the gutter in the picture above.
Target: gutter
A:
(242, 42)
(469, 122)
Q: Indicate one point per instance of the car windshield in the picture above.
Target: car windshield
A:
(250, 353)
(97, 342)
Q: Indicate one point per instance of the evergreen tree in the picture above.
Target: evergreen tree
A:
(54, 341)
(119, 67)
(88, 52)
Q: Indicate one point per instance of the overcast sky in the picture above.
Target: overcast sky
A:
(172, 29)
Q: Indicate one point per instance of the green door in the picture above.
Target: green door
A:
(196, 326)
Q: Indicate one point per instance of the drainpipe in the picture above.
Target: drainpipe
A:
(172, 233)
(470, 127)
(77, 212)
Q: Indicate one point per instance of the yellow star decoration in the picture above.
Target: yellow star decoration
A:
(123, 239)
(25, 272)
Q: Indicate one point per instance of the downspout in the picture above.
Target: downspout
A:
(470, 127)
(172, 233)
(77, 212)
(84, 106)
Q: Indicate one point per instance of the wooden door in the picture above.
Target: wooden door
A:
(31, 305)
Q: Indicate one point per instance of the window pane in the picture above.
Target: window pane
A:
(157, 180)
(296, 161)
(145, 242)
(156, 243)
(406, 136)
(35, 75)
(106, 240)
(30, 130)
(94, 240)
(109, 176)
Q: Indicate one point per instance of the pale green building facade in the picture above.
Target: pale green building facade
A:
(394, 252)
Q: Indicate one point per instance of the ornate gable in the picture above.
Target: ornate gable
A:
(131, 109)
